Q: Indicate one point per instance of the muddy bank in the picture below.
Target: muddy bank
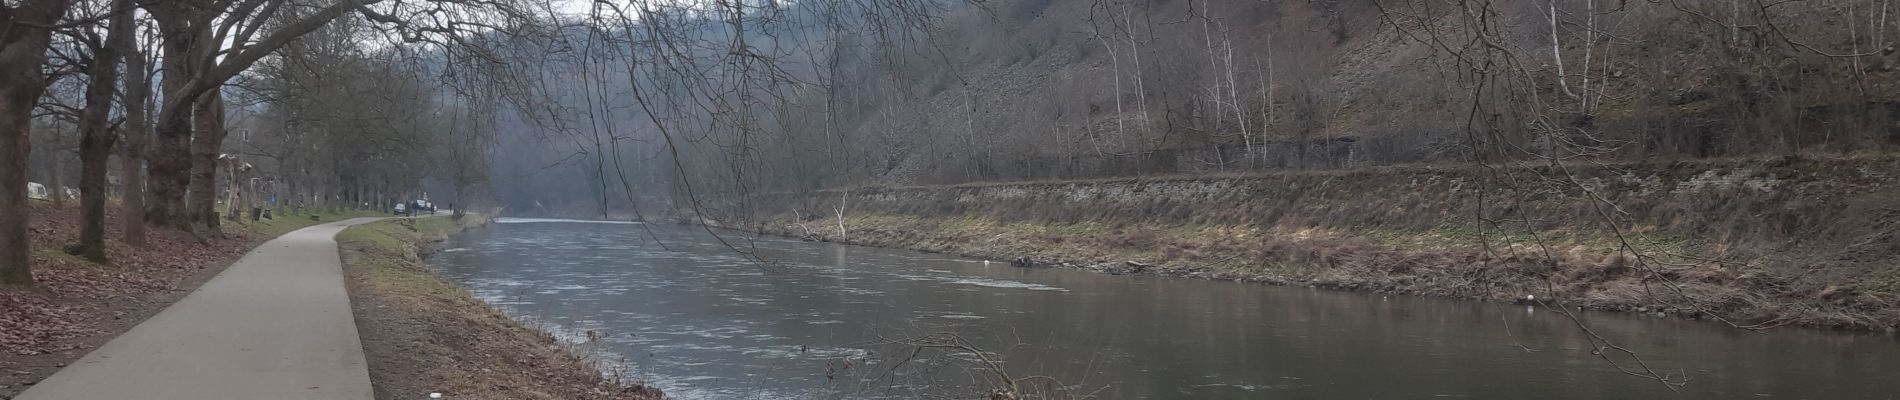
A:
(1773, 242)
(427, 335)
(78, 305)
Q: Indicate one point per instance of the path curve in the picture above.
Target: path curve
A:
(275, 325)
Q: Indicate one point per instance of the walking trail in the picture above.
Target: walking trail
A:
(275, 325)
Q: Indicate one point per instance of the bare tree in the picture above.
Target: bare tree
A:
(135, 133)
(26, 29)
(96, 136)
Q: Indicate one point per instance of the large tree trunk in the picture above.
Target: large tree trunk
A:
(16, 110)
(24, 37)
(95, 141)
(138, 89)
(95, 149)
(171, 158)
(207, 135)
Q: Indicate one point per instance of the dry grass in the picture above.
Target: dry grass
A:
(1804, 241)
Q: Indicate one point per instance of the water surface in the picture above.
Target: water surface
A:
(702, 321)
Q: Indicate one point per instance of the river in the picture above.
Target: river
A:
(701, 320)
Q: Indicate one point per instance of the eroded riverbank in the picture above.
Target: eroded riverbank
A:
(423, 334)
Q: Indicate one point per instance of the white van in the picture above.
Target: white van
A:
(36, 191)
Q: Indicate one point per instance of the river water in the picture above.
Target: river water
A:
(702, 321)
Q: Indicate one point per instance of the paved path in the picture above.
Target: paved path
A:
(275, 325)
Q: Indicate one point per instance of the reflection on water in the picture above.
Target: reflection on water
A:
(702, 322)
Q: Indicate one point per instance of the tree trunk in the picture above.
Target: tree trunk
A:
(16, 110)
(138, 89)
(206, 136)
(95, 149)
(171, 159)
(195, 66)
(23, 43)
(461, 194)
(95, 140)
(170, 169)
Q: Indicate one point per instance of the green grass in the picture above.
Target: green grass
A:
(1074, 229)
(1198, 244)
(382, 235)
(286, 222)
(403, 233)
(1662, 245)
(383, 252)
(388, 271)
(1885, 281)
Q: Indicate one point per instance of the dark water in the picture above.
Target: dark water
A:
(702, 322)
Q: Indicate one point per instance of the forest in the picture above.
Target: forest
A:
(171, 108)
(1043, 90)
(1721, 160)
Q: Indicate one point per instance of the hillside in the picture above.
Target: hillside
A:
(1749, 241)
(1050, 89)
(946, 93)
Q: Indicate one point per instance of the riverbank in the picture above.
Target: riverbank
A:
(1768, 242)
(424, 334)
(78, 305)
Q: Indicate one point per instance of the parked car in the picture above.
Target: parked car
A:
(401, 209)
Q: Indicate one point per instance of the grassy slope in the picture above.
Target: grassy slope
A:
(426, 334)
(1790, 241)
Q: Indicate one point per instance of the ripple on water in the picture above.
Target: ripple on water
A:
(978, 281)
(859, 291)
(512, 220)
(750, 300)
(1000, 283)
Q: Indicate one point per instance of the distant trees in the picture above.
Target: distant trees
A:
(1223, 85)
(96, 54)
(206, 43)
(366, 125)
(738, 97)
(681, 103)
